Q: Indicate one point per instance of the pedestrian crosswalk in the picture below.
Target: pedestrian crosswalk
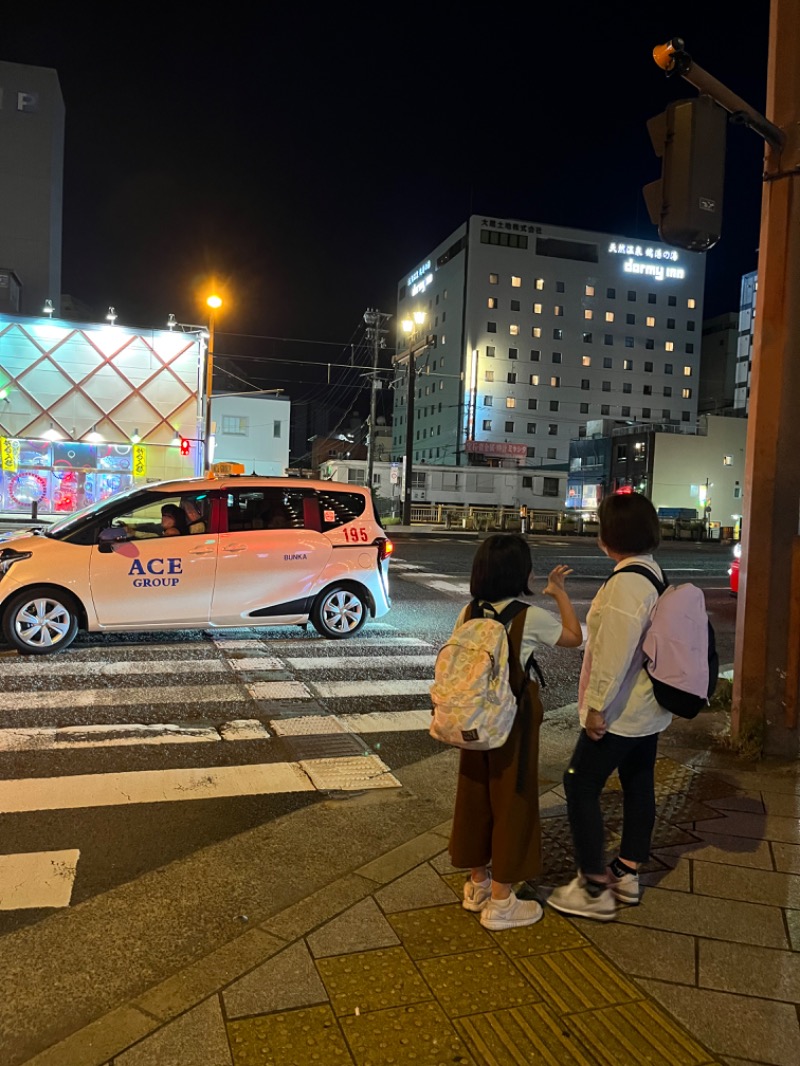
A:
(217, 716)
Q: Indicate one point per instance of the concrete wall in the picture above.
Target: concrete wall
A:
(252, 430)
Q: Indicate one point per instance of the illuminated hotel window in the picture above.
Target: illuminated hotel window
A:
(690, 303)
(536, 331)
(491, 303)
(687, 371)
(650, 321)
(589, 290)
(669, 346)
(537, 309)
(686, 394)
(586, 360)
(627, 364)
(555, 382)
(588, 313)
(515, 282)
(514, 330)
(609, 316)
(488, 375)
(493, 279)
(534, 379)
(443, 339)
(558, 310)
(510, 401)
(539, 283)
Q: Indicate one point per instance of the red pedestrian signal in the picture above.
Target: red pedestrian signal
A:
(185, 446)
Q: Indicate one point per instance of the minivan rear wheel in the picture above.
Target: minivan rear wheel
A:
(40, 621)
(339, 612)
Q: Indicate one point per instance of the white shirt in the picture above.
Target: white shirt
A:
(613, 678)
(541, 627)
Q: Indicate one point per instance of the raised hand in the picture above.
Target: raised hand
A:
(556, 579)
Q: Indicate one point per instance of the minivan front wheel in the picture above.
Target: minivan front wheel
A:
(40, 621)
(339, 612)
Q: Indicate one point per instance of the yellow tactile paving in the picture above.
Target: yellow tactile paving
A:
(638, 1032)
(309, 1037)
(445, 930)
(550, 933)
(476, 982)
(372, 980)
(577, 980)
(523, 1036)
(419, 1034)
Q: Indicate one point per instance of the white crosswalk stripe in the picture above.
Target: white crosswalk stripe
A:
(275, 698)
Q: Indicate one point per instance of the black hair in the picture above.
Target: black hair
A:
(628, 523)
(178, 513)
(501, 568)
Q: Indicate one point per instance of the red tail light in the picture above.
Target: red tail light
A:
(385, 549)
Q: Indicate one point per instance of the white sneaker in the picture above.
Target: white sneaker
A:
(626, 888)
(477, 894)
(575, 898)
(509, 913)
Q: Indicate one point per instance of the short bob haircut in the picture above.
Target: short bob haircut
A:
(501, 568)
(628, 523)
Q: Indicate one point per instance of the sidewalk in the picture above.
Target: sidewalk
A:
(383, 966)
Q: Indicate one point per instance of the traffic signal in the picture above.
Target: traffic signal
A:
(686, 204)
(185, 446)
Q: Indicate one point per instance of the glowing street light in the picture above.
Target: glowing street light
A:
(408, 325)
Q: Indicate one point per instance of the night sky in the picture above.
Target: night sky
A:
(308, 161)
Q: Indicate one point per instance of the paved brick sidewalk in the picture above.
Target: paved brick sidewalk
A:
(385, 967)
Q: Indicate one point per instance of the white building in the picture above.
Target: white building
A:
(253, 431)
(539, 328)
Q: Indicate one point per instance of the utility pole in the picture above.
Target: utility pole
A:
(374, 320)
(766, 680)
(766, 675)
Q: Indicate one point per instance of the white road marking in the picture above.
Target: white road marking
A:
(361, 662)
(279, 690)
(37, 879)
(459, 588)
(149, 786)
(55, 738)
(64, 699)
(64, 667)
(338, 689)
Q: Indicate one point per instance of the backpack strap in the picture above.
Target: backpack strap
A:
(645, 571)
(509, 613)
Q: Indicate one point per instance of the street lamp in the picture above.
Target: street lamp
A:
(214, 302)
(417, 320)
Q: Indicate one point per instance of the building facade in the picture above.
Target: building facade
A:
(537, 330)
(87, 410)
(744, 352)
(253, 431)
(718, 364)
(31, 180)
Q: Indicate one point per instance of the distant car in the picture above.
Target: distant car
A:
(108, 569)
(733, 569)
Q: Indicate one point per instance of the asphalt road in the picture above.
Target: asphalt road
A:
(115, 759)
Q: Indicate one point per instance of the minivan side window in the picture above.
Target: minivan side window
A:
(339, 508)
(271, 508)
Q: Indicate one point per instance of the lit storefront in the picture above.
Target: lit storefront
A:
(89, 410)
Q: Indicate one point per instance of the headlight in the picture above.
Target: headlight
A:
(8, 556)
(737, 551)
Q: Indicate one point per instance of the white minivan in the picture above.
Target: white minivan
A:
(203, 553)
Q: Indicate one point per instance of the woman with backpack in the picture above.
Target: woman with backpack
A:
(496, 817)
(620, 717)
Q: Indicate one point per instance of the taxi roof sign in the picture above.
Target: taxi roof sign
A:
(227, 469)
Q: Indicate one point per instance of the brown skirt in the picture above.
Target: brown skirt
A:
(496, 814)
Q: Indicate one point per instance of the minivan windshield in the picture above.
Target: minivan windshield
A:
(79, 518)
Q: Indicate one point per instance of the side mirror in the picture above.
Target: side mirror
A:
(107, 538)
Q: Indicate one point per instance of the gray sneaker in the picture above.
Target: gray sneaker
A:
(510, 913)
(575, 898)
(476, 894)
(626, 888)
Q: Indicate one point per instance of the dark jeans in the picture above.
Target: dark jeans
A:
(593, 762)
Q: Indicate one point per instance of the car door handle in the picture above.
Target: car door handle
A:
(203, 551)
(234, 549)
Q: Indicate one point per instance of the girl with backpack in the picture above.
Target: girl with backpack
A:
(496, 816)
(620, 717)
